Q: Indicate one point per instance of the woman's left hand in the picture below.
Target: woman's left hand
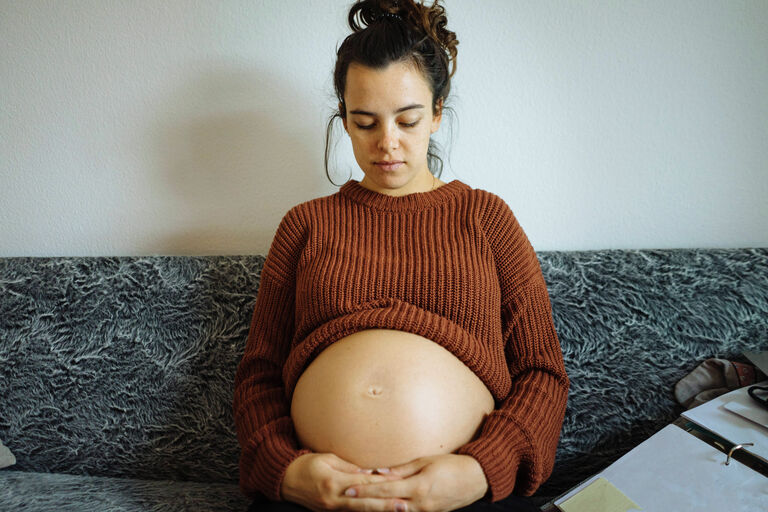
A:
(437, 483)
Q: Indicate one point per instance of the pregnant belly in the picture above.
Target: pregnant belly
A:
(383, 397)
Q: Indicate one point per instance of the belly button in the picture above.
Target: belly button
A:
(374, 390)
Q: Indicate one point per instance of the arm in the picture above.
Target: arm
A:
(261, 411)
(517, 442)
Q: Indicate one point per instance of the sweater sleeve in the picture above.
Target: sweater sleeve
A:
(262, 418)
(517, 441)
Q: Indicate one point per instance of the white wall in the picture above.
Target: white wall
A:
(191, 127)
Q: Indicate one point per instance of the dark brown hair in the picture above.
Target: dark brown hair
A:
(398, 31)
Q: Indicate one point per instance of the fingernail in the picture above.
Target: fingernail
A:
(400, 507)
(382, 470)
(369, 471)
(350, 492)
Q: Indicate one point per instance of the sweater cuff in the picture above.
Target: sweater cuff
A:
(264, 463)
(499, 450)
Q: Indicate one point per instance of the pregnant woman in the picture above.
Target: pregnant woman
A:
(401, 353)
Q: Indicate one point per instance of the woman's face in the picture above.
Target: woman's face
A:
(389, 119)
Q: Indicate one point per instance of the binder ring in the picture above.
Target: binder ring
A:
(738, 446)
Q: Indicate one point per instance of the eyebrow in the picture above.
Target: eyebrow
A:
(401, 109)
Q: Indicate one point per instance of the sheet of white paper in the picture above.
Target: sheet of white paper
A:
(713, 416)
(758, 415)
(676, 471)
(759, 359)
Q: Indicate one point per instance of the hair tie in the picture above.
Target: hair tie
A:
(389, 15)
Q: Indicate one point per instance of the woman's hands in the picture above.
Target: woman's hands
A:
(318, 480)
(438, 483)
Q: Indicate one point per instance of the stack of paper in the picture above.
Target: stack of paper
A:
(672, 471)
(737, 418)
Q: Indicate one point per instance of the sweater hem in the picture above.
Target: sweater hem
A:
(392, 313)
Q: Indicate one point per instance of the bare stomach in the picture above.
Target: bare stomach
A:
(383, 397)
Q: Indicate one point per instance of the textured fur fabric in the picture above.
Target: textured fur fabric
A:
(57, 492)
(122, 367)
(116, 373)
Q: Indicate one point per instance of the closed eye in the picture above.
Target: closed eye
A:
(369, 126)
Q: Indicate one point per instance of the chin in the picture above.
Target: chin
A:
(394, 179)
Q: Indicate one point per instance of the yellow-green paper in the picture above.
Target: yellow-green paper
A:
(599, 496)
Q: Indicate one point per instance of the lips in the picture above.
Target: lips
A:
(388, 166)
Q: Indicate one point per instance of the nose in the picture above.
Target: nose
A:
(388, 138)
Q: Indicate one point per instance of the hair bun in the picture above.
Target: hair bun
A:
(371, 11)
(431, 21)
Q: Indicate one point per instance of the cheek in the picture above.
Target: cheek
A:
(423, 139)
(360, 138)
(362, 145)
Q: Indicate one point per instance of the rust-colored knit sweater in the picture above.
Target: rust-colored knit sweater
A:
(452, 265)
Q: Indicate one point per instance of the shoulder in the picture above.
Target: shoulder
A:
(486, 196)
(292, 225)
(298, 217)
(515, 258)
(305, 211)
(298, 220)
(495, 215)
(287, 243)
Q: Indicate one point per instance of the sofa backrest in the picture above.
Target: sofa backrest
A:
(124, 366)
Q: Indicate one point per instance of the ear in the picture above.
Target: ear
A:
(439, 116)
(343, 118)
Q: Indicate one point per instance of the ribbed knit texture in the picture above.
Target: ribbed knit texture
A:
(452, 265)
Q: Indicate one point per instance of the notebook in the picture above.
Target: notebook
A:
(673, 471)
(725, 415)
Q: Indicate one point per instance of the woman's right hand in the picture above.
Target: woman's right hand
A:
(317, 481)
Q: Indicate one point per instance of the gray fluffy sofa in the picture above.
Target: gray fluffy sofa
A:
(116, 373)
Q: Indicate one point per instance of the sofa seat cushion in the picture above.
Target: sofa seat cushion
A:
(20, 490)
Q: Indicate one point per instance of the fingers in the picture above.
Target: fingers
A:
(349, 481)
(341, 475)
(365, 479)
(375, 504)
(384, 500)
(345, 466)
(409, 468)
(340, 464)
(381, 486)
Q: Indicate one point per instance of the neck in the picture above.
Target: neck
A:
(426, 184)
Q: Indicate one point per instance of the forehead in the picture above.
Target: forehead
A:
(391, 86)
